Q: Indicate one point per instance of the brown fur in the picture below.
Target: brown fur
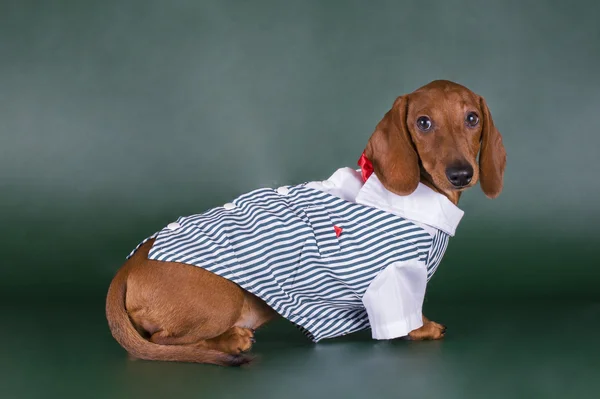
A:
(176, 312)
(394, 145)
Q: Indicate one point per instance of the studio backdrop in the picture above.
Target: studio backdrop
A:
(117, 117)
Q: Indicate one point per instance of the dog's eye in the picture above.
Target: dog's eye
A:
(472, 119)
(424, 123)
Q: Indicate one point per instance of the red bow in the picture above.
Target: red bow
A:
(366, 167)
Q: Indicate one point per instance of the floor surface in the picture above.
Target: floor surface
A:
(536, 350)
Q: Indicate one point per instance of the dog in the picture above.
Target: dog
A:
(349, 253)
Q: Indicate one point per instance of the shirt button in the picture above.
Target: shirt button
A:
(283, 190)
(229, 206)
(328, 184)
(173, 226)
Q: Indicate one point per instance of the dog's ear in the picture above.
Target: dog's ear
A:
(392, 153)
(492, 157)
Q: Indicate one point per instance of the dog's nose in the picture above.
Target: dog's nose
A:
(460, 175)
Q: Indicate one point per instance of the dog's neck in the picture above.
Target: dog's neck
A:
(426, 179)
(366, 168)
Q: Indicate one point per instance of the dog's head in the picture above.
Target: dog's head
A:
(434, 135)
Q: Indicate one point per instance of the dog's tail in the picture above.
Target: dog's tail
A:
(125, 333)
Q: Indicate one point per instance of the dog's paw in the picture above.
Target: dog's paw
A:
(237, 340)
(430, 331)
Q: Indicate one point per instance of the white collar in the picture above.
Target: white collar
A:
(423, 206)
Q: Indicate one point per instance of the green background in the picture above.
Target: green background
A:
(116, 117)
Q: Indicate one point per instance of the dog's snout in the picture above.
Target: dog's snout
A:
(459, 175)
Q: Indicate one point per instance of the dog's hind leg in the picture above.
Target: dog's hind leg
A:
(234, 341)
(240, 337)
(171, 311)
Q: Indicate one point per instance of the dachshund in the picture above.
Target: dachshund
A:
(170, 310)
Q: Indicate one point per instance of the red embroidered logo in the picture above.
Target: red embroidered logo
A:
(338, 231)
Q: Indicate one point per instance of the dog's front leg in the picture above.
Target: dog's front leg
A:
(429, 330)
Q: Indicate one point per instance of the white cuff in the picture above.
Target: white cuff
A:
(394, 299)
(399, 328)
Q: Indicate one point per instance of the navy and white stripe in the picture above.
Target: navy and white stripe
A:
(284, 249)
(436, 253)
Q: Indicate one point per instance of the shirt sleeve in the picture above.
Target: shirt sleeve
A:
(394, 299)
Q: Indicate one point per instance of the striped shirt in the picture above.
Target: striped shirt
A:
(329, 256)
